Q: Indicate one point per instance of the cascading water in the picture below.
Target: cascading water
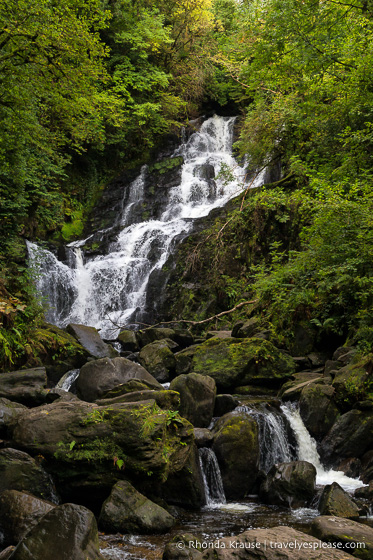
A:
(110, 289)
(307, 451)
(68, 379)
(213, 483)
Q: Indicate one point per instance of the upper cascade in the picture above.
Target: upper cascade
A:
(110, 289)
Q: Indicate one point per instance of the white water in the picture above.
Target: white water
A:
(68, 379)
(110, 289)
(307, 451)
(212, 480)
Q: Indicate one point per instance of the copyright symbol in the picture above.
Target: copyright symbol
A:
(180, 545)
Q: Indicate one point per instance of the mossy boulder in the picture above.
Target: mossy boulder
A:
(128, 511)
(129, 340)
(354, 382)
(335, 501)
(88, 447)
(317, 409)
(346, 532)
(66, 532)
(19, 512)
(184, 359)
(197, 397)
(289, 484)
(158, 359)
(233, 362)
(236, 445)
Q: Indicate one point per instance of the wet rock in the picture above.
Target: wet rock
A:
(236, 445)
(184, 360)
(246, 329)
(203, 437)
(100, 376)
(173, 550)
(19, 471)
(335, 501)
(350, 467)
(233, 362)
(350, 436)
(346, 532)
(90, 447)
(67, 532)
(157, 358)
(289, 484)
(224, 404)
(365, 492)
(89, 338)
(26, 386)
(367, 467)
(128, 511)
(185, 487)
(129, 341)
(19, 512)
(197, 398)
(8, 411)
(291, 390)
(276, 543)
(169, 400)
(317, 409)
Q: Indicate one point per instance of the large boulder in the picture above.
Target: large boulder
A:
(236, 445)
(233, 362)
(289, 484)
(100, 376)
(184, 360)
(19, 471)
(128, 511)
(66, 532)
(89, 338)
(197, 397)
(19, 512)
(317, 409)
(90, 447)
(355, 537)
(352, 383)
(158, 359)
(276, 543)
(335, 501)
(129, 340)
(8, 411)
(350, 436)
(26, 386)
(224, 404)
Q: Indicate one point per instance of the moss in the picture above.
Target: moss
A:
(165, 165)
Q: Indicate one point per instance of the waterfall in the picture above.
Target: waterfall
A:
(68, 379)
(307, 451)
(273, 437)
(213, 483)
(110, 289)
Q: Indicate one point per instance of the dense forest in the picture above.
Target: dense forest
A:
(89, 88)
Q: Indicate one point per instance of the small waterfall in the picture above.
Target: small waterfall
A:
(307, 451)
(213, 483)
(273, 437)
(68, 379)
(110, 289)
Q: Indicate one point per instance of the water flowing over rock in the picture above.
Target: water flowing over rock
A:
(110, 289)
(214, 490)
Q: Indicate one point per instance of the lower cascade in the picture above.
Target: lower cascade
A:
(213, 483)
(110, 289)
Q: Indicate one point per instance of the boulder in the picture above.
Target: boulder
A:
(367, 467)
(184, 360)
(236, 445)
(66, 532)
(129, 341)
(8, 411)
(128, 511)
(169, 400)
(157, 358)
(26, 386)
(203, 437)
(19, 471)
(246, 329)
(365, 492)
(224, 404)
(352, 382)
(349, 534)
(90, 447)
(335, 501)
(276, 543)
(131, 386)
(317, 409)
(19, 512)
(233, 362)
(291, 390)
(350, 467)
(188, 550)
(148, 336)
(89, 338)
(197, 398)
(350, 436)
(289, 484)
(185, 487)
(98, 377)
